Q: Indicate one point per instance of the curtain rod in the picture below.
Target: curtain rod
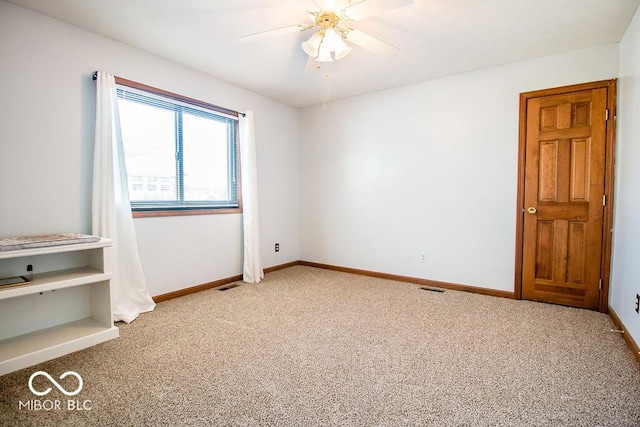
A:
(95, 77)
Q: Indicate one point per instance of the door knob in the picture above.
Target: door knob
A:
(532, 210)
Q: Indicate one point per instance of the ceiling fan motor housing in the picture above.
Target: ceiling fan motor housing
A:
(327, 20)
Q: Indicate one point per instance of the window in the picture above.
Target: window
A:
(181, 154)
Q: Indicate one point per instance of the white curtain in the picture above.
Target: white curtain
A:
(112, 208)
(252, 270)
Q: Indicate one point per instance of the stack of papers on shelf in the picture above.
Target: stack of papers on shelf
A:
(25, 242)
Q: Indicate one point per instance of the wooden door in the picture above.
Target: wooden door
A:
(564, 188)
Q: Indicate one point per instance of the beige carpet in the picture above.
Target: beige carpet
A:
(316, 347)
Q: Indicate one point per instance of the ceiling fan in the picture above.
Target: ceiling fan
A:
(332, 24)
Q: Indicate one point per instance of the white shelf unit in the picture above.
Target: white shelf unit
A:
(66, 307)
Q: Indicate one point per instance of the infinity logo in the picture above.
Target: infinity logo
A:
(55, 383)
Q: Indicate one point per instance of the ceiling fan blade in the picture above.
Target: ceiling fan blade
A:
(277, 31)
(309, 4)
(324, 5)
(367, 8)
(368, 42)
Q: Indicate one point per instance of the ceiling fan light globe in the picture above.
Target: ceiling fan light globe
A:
(312, 46)
(335, 44)
(324, 55)
(310, 49)
(331, 38)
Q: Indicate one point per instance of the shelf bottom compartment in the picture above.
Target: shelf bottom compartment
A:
(29, 349)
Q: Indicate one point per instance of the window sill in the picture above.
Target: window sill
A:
(185, 212)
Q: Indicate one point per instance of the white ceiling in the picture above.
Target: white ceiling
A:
(436, 38)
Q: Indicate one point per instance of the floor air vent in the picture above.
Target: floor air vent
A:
(424, 288)
(227, 287)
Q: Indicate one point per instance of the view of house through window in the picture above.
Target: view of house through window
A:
(178, 156)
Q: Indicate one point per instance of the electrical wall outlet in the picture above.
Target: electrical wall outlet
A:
(423, 257)
(638, 303)
(277, 247)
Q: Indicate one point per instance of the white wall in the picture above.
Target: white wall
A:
(46, 149)
(625, 275)
(429, 167)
